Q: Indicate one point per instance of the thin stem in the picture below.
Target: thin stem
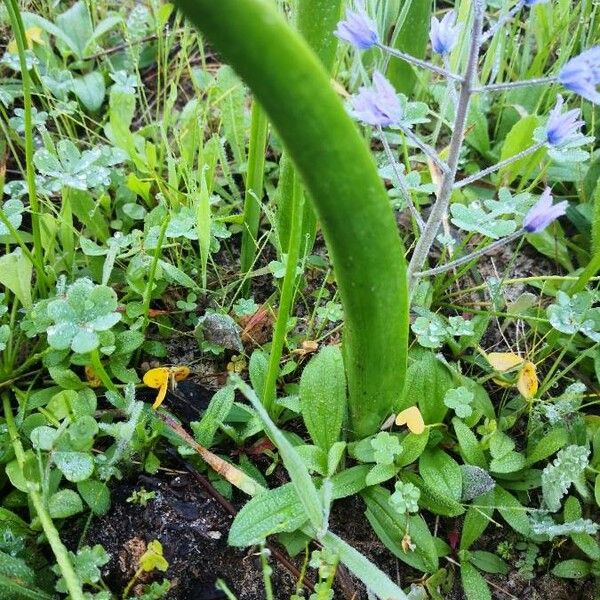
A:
(100, 371)
(428, 150)
(254, 189)
(510, 85)
(400, 181)
(469, 257)
(287, 294)
(58, 548)
(152, 273)
(440, 207)
(420, 63)
(17, 24)
(502, 21)
(511, 159)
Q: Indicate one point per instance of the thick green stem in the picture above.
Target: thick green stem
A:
(316, 21)
(19, 32)
(60, 551)
(341, 177)
(254, 189)
(287, 295)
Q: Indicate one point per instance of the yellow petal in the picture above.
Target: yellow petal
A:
(156, 378)
(503, 361)
(413, 418)
(527, 384)
(180, 373)
(162, 392)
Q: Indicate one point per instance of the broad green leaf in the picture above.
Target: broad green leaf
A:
(552, 442)
(271, 511)
(15, 275)
(474, 585)
(76, 23)
(391, 527)
(301, 479)
(323, 396)
(468, 444)
(427, 381)
(513, 512)
(96, 495)
(477, 520)
(572, 569)
(434, 500)
(518, 139)
(411, 36)
(214, 416)
(441, 472)
(90, 90)
(64, 503)
(75, 466)
(231, 101)
(349, 481)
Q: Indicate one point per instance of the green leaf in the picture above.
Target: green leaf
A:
(488, 562)
(153, 558)
(552, 442)
(231, 91)
(272, 511)
(412, 446)
(257, 369)
(214, 416)
(411, 36)
(474, 585)
(96, 495)
(519, 138)
(427, 381)
(90, 90)
(15, 275)
(380, 473)
(64, 503)
(76, 23)
(468, 444)
(572, 569)
(349, 481)
(477, 520)
(433, 499)
(323, 396)
(442, 473)
(75, 466)
(374, 578)
(294, 464)
(391, 527)
(513, 512)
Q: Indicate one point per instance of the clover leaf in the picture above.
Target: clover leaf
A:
(475, 219)
(405, 497)
(460, 399)
(386, 448)
(13, 211)
(77, 316)
(72, 168)
(576, 314)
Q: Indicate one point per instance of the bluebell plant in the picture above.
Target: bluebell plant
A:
(561, 136)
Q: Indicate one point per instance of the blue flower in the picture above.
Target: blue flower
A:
(377, 105)
(444, 34)
(543, 213)
(582, 74)
(358, 29)
(534, 2)
(562, 127)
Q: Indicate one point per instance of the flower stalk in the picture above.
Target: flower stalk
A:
(500, 165)
(440, 206)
